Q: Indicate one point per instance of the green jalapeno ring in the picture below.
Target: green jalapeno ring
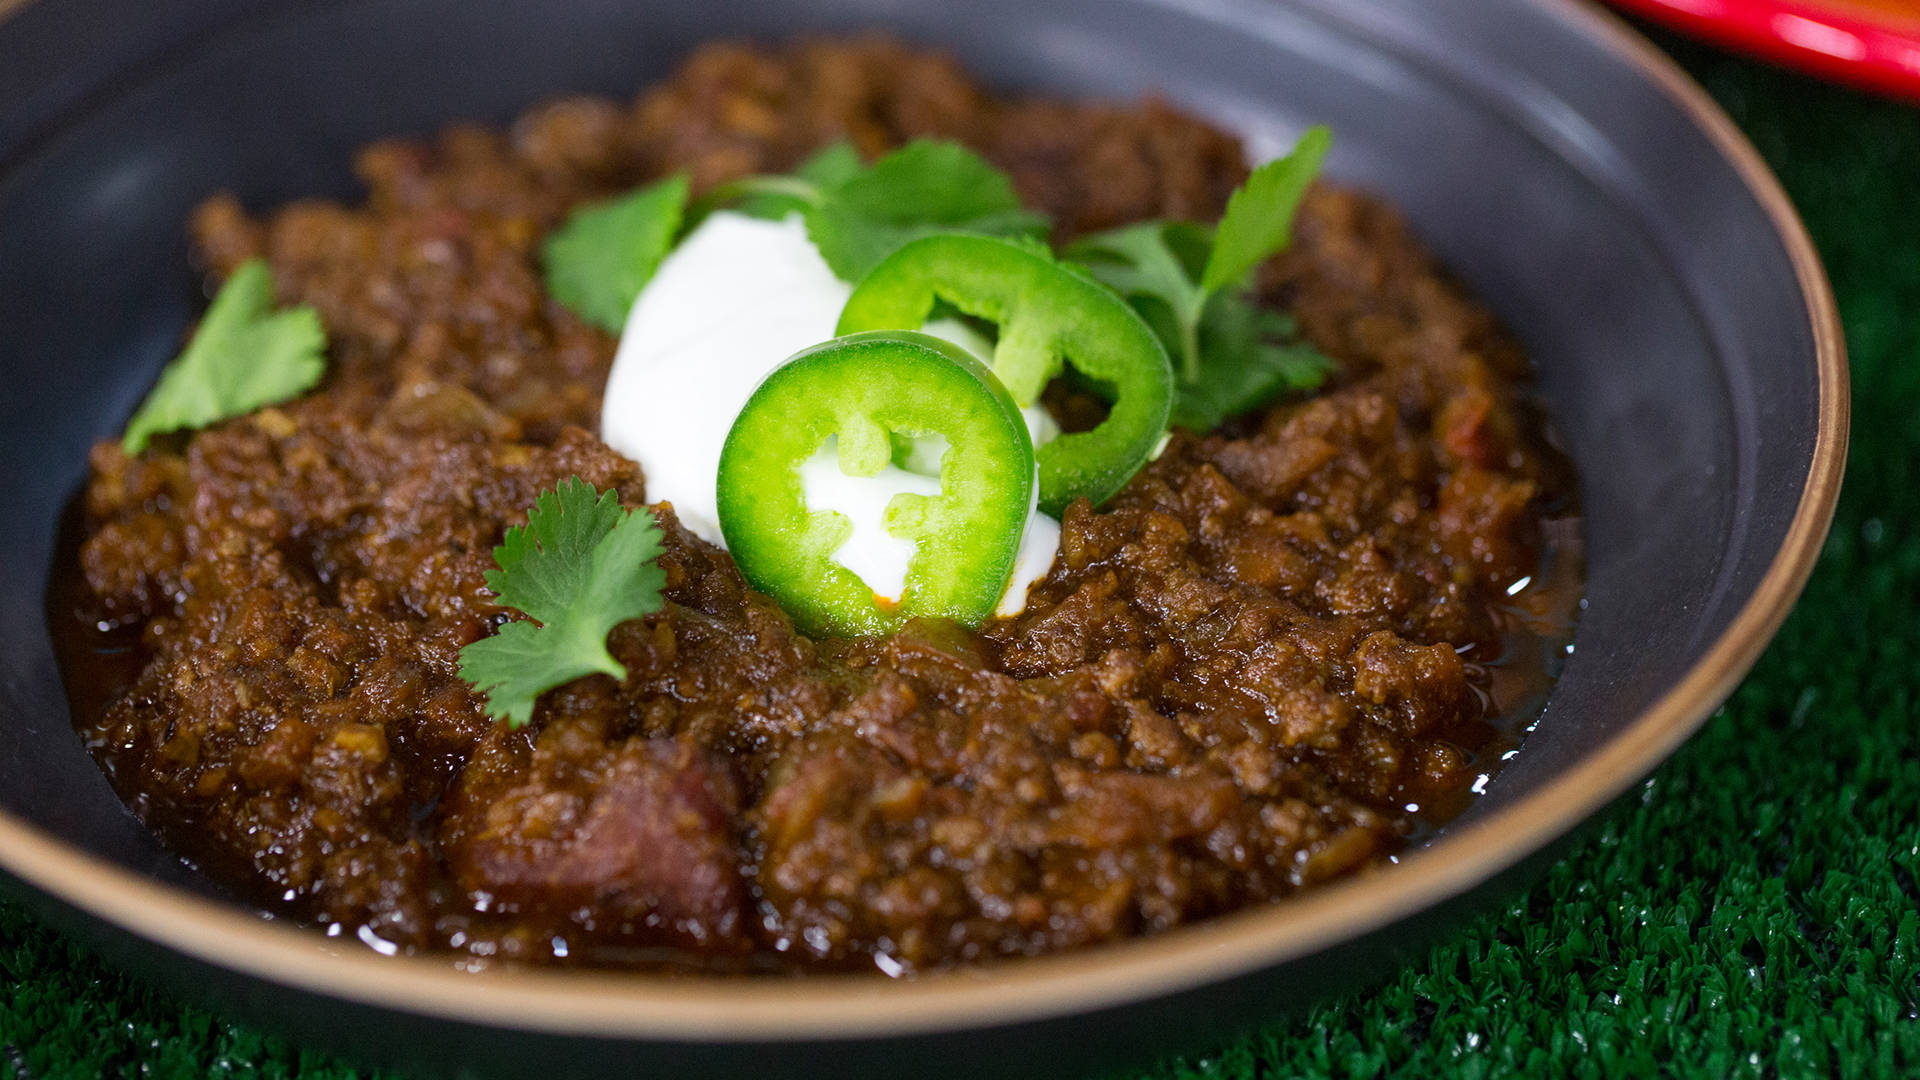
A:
(1048, 317)
(863, 388)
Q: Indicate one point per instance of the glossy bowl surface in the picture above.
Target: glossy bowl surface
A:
(1682, 327)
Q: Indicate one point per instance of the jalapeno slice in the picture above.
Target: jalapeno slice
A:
(1048, 316)
(863, 389)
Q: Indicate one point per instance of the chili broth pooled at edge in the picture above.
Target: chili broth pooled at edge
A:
(1163, 538)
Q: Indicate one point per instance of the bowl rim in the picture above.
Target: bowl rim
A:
(725, 1010)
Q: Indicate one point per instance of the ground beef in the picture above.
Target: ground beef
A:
(1239, 678)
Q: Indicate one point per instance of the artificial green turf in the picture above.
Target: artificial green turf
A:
(1753, 916)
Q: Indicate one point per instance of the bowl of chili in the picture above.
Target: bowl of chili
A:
(1684, 336)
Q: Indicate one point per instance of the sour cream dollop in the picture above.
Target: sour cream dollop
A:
(737, 297)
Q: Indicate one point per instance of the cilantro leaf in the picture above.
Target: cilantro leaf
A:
(603, 255)
(830, 167)
(581, 565)
(1139, 262)
(243, 355)
(926, 186)
(1188, 283)
(1254, 356)
(1258, 222)
(857, 215)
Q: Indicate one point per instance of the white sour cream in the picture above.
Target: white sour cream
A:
(736, 298)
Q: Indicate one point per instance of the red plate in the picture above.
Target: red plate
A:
(1869, 43)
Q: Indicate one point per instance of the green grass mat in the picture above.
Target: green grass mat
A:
(1754, 915)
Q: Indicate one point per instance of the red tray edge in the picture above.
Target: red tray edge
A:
(1838, 44)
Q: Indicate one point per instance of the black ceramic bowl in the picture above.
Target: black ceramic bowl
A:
(1682, 327)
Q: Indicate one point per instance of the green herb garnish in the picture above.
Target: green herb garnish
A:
(1156, 265)
(857, 215)
(1191, 284)
(1258, 222)
(244, 355)
(1253, 355)
(603, 255)
(581, 566)
(783, 195)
